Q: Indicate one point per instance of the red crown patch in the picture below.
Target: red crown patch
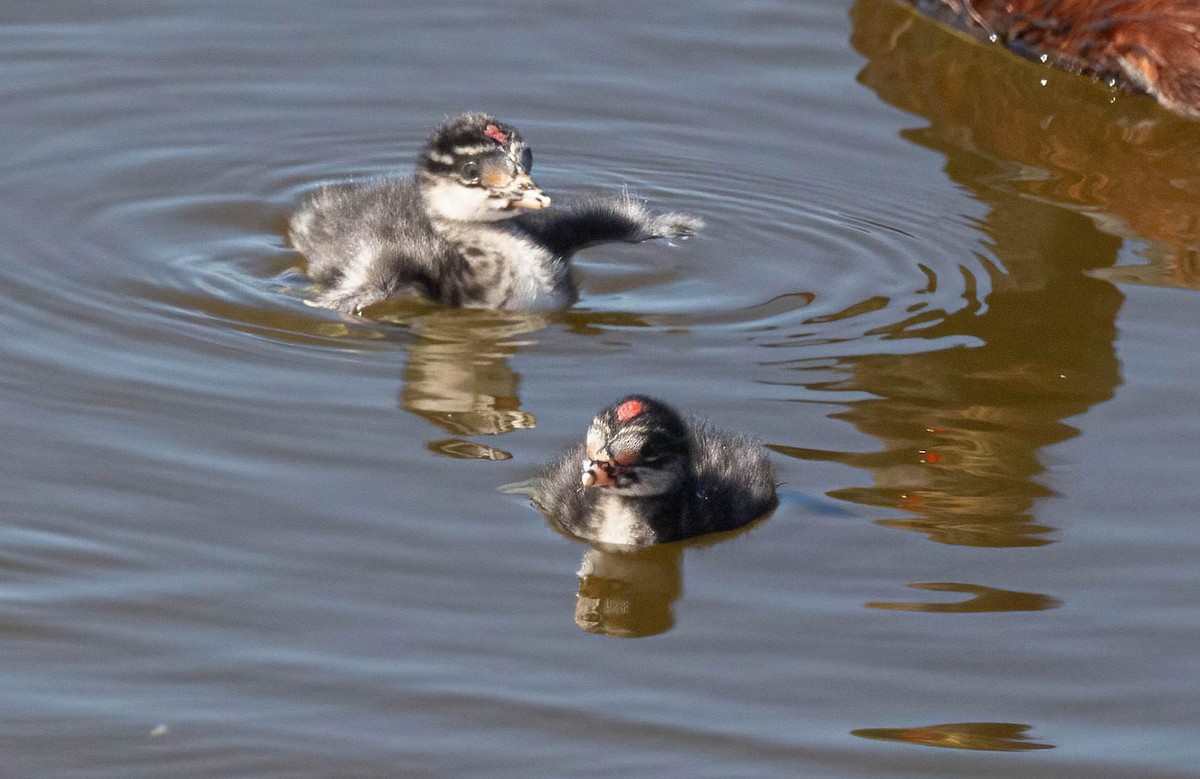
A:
(629, 409)
(496, 134)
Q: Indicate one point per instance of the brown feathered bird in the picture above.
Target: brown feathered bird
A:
(1150, 46)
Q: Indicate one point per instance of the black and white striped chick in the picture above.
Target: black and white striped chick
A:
(645, 475)
(471, 229)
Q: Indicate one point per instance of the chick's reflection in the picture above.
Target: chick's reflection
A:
(629, 593)
(458, 376)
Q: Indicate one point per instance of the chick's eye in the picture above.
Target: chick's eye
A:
(470, 171)
(527, 160)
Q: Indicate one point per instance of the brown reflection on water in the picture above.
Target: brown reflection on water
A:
(984, 736)
(962, 428)
(457, 375)
(983, 599)
(629, 593)
(1131, 165)
(461, 449)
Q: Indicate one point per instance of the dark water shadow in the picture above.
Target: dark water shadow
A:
(979, 736)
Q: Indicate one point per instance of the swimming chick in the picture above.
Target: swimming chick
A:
(1150, 46)
(645, 475)
(471, 228)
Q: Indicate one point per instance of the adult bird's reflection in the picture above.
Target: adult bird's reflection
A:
(1029, 130)
(963, 428)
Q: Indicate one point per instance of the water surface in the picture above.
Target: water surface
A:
(246, 537)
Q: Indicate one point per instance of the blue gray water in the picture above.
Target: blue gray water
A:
(956, 293)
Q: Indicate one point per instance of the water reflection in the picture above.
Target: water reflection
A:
(984, 736)
(457, 375)
(962, 428)
(1133, 167)
(461, 449)
(983, 599)
(629, 593)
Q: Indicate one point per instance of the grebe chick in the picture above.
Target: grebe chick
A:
(470, 229)
(1150, 46)
(645, 475)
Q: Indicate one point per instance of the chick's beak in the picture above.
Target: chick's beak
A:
(598, 474)
(530, 196)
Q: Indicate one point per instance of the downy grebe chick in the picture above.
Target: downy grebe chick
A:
(1150, 46)
(645, 475)
(470, 229)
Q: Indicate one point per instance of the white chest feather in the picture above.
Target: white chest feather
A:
(614, 522)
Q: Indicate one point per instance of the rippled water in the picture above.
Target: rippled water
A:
(246, 537)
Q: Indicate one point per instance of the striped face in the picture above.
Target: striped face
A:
(637, 447)
(476, 168)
